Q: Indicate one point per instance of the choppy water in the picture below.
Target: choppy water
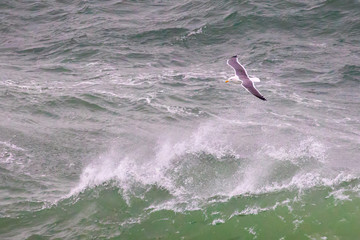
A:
(116, 121)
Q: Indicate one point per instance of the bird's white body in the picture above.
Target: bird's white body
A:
(236, 78)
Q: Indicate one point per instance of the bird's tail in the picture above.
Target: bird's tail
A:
(254, 79)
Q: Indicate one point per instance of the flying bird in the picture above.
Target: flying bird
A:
(242, 76)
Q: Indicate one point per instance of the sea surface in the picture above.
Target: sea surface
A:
(116, 121)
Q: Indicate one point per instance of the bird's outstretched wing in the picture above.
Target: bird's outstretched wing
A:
(250, 87)
(239, 69)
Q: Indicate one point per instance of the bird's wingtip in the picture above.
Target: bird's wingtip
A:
(260, 97)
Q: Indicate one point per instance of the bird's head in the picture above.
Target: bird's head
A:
(233, 78)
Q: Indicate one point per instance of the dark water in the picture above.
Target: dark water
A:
(116, 121)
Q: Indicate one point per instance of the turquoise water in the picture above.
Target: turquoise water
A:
(116, 121)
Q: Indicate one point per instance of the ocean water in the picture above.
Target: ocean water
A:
(116, 121)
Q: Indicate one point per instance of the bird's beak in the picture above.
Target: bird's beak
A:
(226, 81)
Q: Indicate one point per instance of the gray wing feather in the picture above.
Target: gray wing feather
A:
(251, 88)
(239, 70)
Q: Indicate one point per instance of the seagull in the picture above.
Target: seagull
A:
(242, 76)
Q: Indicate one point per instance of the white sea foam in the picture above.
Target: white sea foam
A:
(297, 223)
(8, 153)
(11, 145)
(217, 221)
(254, 210)
(251, 230)
(152, 172)
(175, 110)
(306, 148)
(6, 157)
(345, 193)
(191, 33)
(176, 163)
